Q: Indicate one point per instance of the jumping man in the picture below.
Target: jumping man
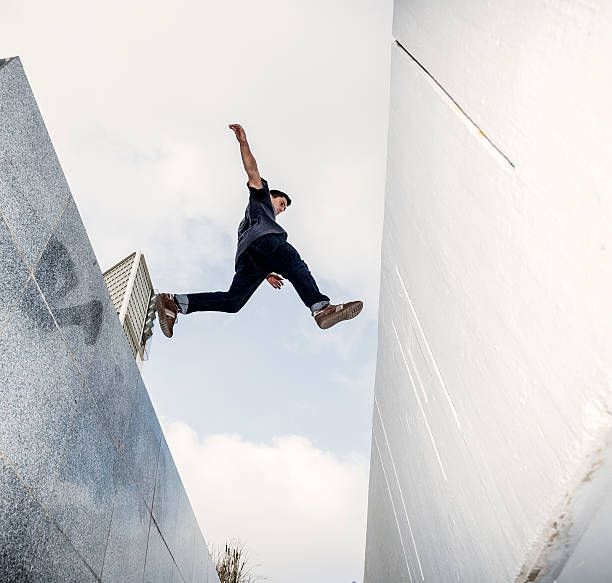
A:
(262, 251)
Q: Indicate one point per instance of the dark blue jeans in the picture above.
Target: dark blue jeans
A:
(270, 253)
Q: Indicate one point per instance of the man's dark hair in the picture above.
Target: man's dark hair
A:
(278, 194)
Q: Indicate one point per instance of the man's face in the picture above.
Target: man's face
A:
(279, 203)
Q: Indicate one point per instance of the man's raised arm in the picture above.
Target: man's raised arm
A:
(250, 165)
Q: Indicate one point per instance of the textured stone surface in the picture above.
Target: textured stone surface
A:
(33, 190)
(141, 444)
(20, 520)
(13, 273)
(124, 560)
(168, 491)
(204, 568)
(39, 390)
(56, 560)
(79, 438)
(113, 375)
(159, 566)
(72, 283)
(84, 493)
(184, 543)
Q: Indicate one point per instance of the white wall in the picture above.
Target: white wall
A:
(493, 398)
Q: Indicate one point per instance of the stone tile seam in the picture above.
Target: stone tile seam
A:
(187, 496)
(95, 346)
(162, 437)
(153, 503)
(116, 443)
(33, 495)
(60, 463)
(87, 390)
(150, 510)
(399, 530)
(58, 469)
(32, 268)
(32, 276)
(53, 229)
(462, 111)
(167, 546)
(144, 567)
(118, 449)
(84, 389)
(129, 469)
(44, 299)
(131, 477)
(110, 524)
(399, 486)
(109, 305)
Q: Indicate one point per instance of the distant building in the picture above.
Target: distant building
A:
(132, 293)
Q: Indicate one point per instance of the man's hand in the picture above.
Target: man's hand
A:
(248, 160)
(239, 132)
(276, 281)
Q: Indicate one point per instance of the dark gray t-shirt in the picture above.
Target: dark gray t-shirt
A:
(259, 218)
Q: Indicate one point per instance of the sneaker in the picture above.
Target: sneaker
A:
(332, 314)
(167, 312)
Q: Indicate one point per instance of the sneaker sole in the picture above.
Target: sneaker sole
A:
(348, 312)
(163, 318)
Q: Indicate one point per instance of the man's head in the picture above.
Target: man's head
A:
(280, 201)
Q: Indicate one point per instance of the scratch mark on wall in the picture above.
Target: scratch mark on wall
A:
(416, 394)
(382, 465)
(429, 351)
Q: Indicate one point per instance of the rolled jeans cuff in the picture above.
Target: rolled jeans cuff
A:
(317, 306)
(183, 302)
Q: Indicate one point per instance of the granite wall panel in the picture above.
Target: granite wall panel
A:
(33, 190)
(39, 391)
(140, 447)
(159, 563)
(88, 488)
(13, 273)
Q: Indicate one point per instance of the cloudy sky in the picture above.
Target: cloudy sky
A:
(267, 416)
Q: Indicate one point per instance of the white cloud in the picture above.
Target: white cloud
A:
(300, 511)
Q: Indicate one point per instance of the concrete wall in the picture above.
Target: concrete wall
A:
(88, 487)
(493, 403)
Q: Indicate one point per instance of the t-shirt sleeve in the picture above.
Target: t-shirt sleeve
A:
(262, 192)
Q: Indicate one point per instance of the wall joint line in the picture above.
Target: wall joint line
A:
(465, 115)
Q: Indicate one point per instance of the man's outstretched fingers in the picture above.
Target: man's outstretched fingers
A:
(238, 131)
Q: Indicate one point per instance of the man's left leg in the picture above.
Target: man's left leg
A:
(287, 261)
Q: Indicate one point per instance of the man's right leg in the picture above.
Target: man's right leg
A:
(246, 280)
